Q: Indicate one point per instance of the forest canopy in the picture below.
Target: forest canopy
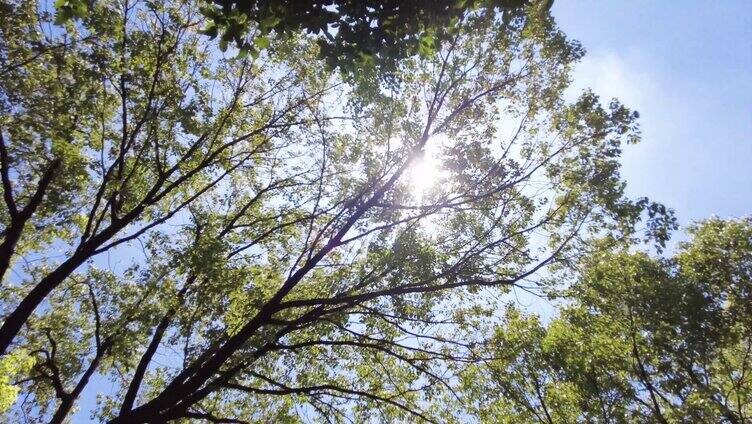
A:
(216, 213)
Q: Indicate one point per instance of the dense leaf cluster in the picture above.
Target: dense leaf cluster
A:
(352, 35)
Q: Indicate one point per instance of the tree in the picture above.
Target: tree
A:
(279, 250)
(641, 340)
(352, 35)
(113, 132)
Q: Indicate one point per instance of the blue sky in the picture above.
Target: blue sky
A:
(686, 66)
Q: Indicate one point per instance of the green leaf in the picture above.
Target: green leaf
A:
(243, 52)
(262, 42)
(269, 22)
(212, 30)
(68, 9)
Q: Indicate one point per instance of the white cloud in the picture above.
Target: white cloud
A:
(611, 75)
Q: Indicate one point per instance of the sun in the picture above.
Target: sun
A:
(427, 170)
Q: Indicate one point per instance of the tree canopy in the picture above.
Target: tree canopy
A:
(352, 35)
(643, 340)
(259, 238)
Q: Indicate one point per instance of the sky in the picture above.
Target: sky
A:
(686, 66)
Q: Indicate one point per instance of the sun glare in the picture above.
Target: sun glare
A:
(427, 169)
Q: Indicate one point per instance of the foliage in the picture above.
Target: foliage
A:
(352, 35)
(12, 365)
(221, 236)
(640, 339)
(357, 37)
